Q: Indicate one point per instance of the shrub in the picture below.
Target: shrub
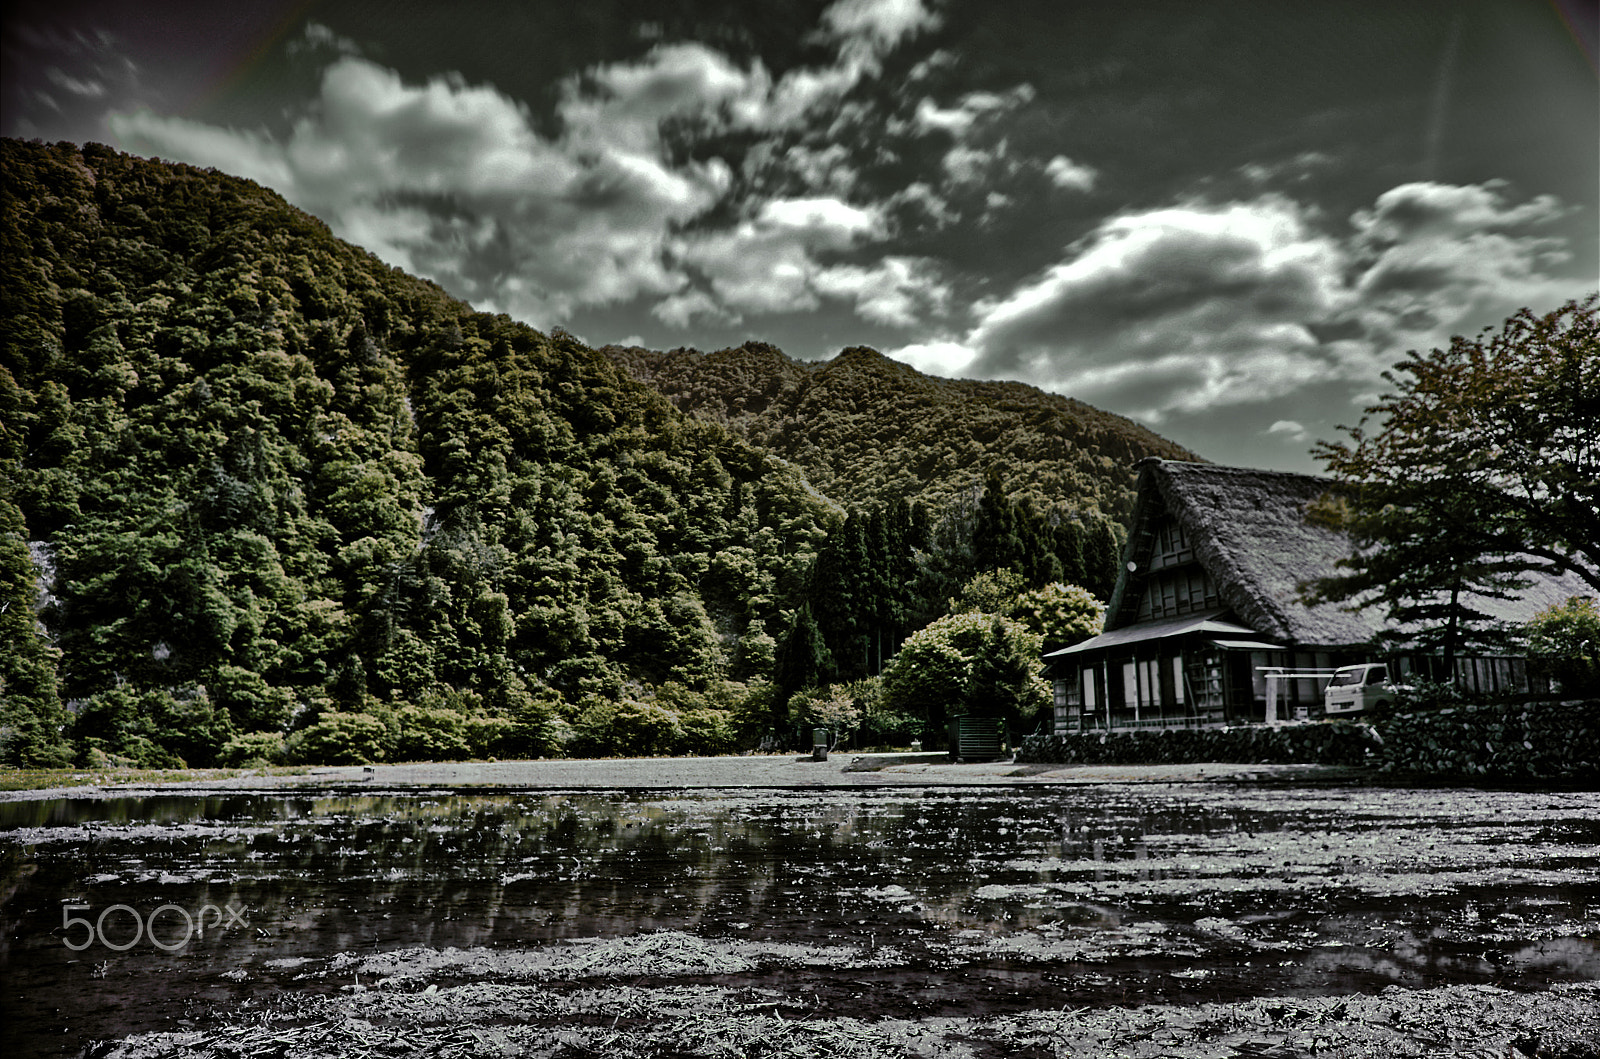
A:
(971, 663)
(254, 705)
(886, 728)
(707, 732)
(430, 734)
(1564, 644)
(252, 750)
(152, 729)
(1420, 693)
(131, 752)
(624, 729)
(340, 739)
(831, 707)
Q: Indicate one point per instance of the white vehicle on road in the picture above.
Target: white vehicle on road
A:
(1357, 689)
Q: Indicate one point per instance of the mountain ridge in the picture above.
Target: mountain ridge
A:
(953, 430)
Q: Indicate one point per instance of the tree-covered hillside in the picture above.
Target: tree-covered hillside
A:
(263, 497)
(269, 483)
(868, 429)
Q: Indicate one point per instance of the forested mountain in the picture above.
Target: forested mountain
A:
(867, 429)
(263, 495)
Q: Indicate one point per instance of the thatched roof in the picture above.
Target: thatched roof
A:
(1249, 530)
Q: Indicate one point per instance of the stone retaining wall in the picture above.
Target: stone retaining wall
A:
(1334, 743)
(1540, 742)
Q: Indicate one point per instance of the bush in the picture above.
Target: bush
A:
(340, 739)
(1564, 644)
(254, 705)
(131, 752)
(893, 729)
(707, 732)
(970, 663)
(430, 734)
(152, 729)
(34, 744)
(1420, 693)
(624, 729)
(252, 750)
(832, 707)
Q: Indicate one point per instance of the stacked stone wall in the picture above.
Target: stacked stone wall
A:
(1538, 742)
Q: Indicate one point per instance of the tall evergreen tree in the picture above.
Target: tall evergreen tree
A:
(1102, 556)
(841, 595)
(997, 542)
(802, 659)
(1067, 543)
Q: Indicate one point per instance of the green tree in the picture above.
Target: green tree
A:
(1427, 556)
(992, 592)
(803, 660)
(1564, 643)
(1061, 615)
(1102, 554)
(841, 594)
(31, 716)
(976, 663)
(1484, 466)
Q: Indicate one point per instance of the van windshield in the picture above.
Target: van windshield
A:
(1346, 678)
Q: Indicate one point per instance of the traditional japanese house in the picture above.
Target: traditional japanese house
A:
(1208, 606)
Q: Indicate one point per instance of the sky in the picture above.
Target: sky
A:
(1224, 220)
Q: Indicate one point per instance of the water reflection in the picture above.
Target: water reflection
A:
(1360, 884)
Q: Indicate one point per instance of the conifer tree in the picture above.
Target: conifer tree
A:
(802, 660)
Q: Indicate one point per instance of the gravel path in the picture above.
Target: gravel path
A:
(761, 770)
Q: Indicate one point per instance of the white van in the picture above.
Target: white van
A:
(1357, 689)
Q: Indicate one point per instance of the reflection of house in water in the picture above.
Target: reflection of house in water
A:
(1208, 599)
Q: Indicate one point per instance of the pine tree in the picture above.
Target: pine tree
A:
(1102, 554)
(803, 660)
(841, 595)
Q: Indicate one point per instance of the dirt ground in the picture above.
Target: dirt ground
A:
(755, 770)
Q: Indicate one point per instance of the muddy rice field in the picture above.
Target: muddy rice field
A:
(1124, 917)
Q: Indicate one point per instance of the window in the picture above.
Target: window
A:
(1177, 680)
(1173, 593)
(1141, 684)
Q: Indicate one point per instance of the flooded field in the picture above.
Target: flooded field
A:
(1196, 918)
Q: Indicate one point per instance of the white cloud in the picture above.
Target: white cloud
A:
(681, 310)
(89, 88)
(898, 291)
(969, 111)
(1192, 307)
(773, 262)
(821, 221)
(452, 181)
(1293, 430)
(1220, 275)
(969, 165)
(877, 25)
(1433, 258)
(318, 37)
(947, 357)
(455, 181)
(1074, 176)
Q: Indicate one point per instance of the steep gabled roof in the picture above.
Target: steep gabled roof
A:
(1249, 530)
